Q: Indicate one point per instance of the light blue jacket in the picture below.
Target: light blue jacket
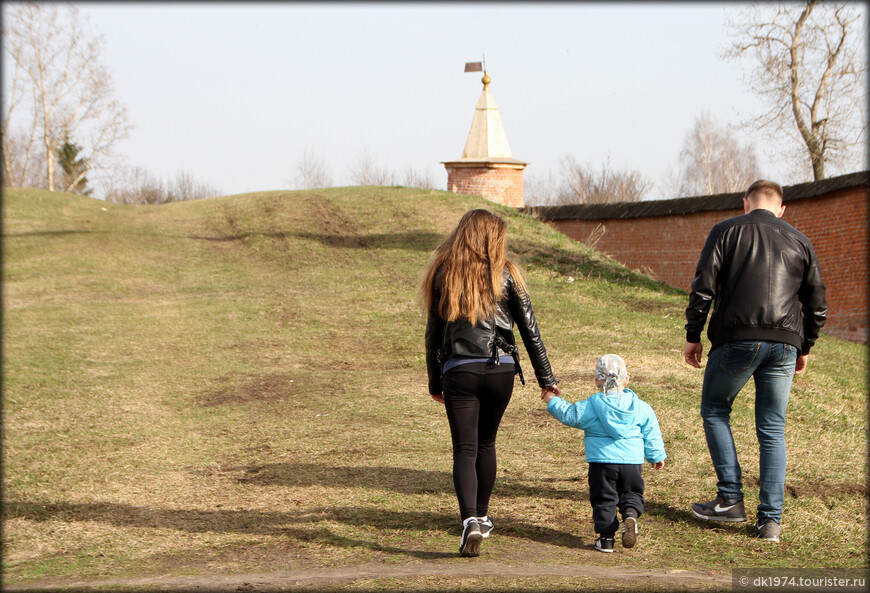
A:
(618, 428)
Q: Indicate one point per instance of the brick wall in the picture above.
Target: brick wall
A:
(499, 184)
(667, 248)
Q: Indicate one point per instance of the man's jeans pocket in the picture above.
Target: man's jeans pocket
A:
(789, 358)
(737, 357)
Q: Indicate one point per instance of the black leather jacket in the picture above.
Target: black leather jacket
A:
(763, 280)
(488, 338)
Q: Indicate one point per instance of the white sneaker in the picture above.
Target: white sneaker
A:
(469, 544)
(629, 532)
(604, 544)
(486, 526)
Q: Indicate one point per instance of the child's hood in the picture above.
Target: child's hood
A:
(616, 412)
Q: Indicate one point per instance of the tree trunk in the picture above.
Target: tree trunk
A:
(49, 162)
(818, 167)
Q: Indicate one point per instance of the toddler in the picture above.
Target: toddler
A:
(620, 431)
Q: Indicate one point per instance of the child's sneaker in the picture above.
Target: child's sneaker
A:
(485, 526)
(604, 544)
(718, 510)
(629, 532)
(469, 544)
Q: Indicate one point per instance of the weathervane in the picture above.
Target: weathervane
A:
(479, 67)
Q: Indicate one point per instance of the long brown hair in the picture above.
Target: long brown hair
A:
(471, 261)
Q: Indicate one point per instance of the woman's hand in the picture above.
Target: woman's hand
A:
(548, 393)
(438, 397)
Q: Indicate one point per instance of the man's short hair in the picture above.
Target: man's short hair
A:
(766, 189)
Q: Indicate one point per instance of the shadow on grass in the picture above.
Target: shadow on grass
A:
(307, 526)
(55, 233)
(591, 265)
(414, 241)
(671, 513)
(398, 479)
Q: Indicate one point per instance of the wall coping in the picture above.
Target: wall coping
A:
(494, 163)
(678, 206)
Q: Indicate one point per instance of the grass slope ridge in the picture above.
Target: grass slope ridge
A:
(237, 384)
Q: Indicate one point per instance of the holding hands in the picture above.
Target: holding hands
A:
(548, 393)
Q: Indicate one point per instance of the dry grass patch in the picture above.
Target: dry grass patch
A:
(238, 385)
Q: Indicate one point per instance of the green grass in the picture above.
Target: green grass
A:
(237, 384)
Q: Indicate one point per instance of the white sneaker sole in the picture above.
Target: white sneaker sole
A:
(716, 518)
(472, 545)
(629, 533)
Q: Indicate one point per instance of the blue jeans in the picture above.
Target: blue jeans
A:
(729, 367)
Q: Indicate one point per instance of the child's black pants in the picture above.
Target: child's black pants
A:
(612, 486)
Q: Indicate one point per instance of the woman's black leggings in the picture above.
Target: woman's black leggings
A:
(476, 396)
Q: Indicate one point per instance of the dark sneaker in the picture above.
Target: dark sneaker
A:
(769, 531)
(485, 526)
(718, 510)
(604, 544)
(469, 545)
(629, 532)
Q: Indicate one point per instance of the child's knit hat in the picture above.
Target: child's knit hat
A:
(611, 371)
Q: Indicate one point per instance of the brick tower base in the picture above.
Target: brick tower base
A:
(499, 182)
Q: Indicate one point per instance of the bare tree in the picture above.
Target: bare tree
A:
(366, 172)
(21, 163)
(414, 178)
(538, 190)
(808, 64)
(134, 185)
(713, 161)
(57, 70)
(384, 176)
(311, 172)
(187, 187)
(363, 170)
(581, 184)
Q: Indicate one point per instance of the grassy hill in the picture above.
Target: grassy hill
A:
(238, 384)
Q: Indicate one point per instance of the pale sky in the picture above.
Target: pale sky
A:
(235, 93)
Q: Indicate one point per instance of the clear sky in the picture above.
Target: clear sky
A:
(235, 93)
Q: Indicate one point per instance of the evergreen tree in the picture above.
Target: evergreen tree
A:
(74, 168)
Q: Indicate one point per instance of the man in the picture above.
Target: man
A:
(763, 280)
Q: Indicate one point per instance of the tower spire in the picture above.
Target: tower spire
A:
(487, 166)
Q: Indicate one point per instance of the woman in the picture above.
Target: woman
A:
(474, 295)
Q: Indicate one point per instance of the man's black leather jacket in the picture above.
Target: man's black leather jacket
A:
(763, 280)
(488, 338)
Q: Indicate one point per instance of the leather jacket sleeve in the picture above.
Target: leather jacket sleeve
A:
(813, 303)
(435, 327)
(704, 288)
(520, 307)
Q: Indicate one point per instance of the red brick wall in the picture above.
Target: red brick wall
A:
(667, 248)
(502, 185)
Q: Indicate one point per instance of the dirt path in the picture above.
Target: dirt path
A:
(317, 578)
